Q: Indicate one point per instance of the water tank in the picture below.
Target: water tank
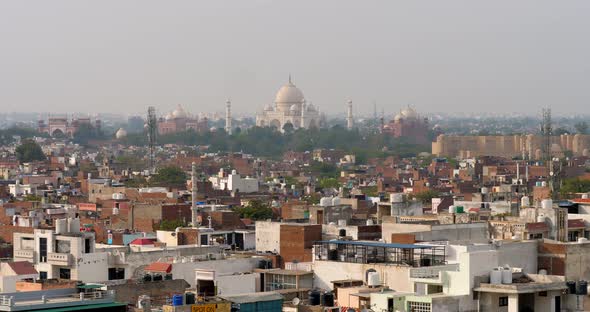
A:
(115, 211)
(61, 226)
(190, 298)
(542, 272)
(496, 276)
(144, 302)
(582, 240)
(547, 204)
(147, 278)
(157, 277)
(452, 209)
(373, 279)
(335, 201)
(342, 232)
(525, 201)
(325, 201)
(507, 276)
(168, 277)
(582, 288)
(544, 183)
(314, 297)
(538, 183)
(328, 299)
(74, 225)
(177, 300)
(459, 209)
(118, 196)
(571, 287)
(485, 190)
(585, 196)
(369, 221)
(396, 198)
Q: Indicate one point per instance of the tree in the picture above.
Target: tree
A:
(581, 127)
(329, 183)
(171, 225)
(426, 196)
(560, 131)
(256, 210)
(575, 185)
(29, 151)
(171, 176)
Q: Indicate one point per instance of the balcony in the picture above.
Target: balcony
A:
(59, 259)
(431, 274)
(27, 254)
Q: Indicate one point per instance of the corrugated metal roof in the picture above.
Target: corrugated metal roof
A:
(254, 297)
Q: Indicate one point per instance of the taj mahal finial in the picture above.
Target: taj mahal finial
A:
(290, 78)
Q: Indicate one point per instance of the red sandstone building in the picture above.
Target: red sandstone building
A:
(408, 124)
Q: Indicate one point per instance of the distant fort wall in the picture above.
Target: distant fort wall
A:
(527, 146)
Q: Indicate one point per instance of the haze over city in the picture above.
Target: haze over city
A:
(444, 56)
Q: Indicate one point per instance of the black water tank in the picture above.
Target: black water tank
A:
(314, 297)
(342, 233)
(582, 288)
(329, 299)
(571, 287)
(333, 255)
(157, 277)
(147, 278)
(190, 298)
(168, 277)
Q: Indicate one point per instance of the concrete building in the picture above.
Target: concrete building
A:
(65, 253)
(234, 182)
(293, 241)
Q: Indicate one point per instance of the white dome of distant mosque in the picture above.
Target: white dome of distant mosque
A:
(121, 133)
(294, 108)
(179, 112)
(169, 116)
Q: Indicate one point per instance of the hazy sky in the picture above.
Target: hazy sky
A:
(99, 56)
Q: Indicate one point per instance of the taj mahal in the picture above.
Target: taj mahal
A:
(289, 109)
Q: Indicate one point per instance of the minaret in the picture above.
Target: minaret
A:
(194, 209)
(349, 116)
(228, 116)
(303, 108)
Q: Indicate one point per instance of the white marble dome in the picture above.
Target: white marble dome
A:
(409, 113)
(121, 133)
(288, 95)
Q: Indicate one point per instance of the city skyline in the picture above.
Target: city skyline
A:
(123, 57)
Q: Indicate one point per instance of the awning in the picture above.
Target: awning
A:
(159, 267)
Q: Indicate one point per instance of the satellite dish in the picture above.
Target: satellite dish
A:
(296, 301)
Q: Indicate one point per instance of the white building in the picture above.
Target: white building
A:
(18, 189)
(289, 108)
(234, 182)
(65, 253)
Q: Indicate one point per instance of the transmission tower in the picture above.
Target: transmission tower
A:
(547, 132)
(151, 133)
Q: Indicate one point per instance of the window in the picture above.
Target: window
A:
(536, 236)
(573, 236)
(503, 302)
(64, 273)
(116, 273)
(418, 306)
(42, 275)
(280, 281)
